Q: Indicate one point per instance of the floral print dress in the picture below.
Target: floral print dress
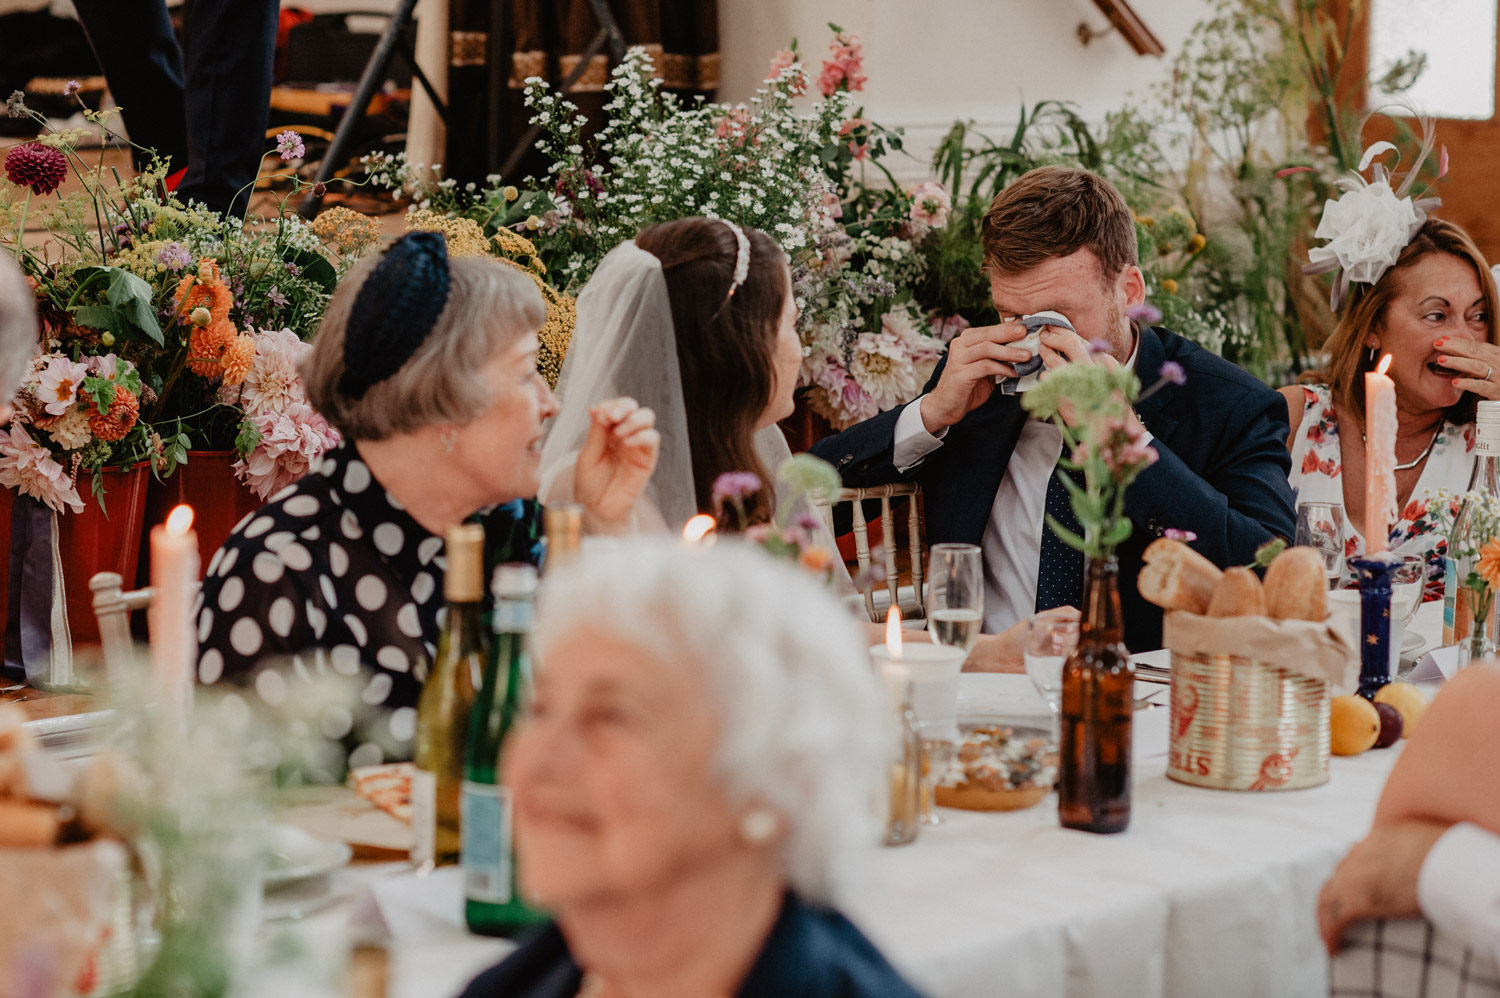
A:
(1317, 476)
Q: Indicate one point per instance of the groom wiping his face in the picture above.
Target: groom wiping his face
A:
(1063, 240)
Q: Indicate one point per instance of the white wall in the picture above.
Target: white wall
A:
(933, 61)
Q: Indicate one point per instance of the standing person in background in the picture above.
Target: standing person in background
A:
(208, 122)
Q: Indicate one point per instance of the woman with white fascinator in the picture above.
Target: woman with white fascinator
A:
(691, 788)
(695, 320)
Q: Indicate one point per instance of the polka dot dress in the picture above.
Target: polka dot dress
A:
(334, 575)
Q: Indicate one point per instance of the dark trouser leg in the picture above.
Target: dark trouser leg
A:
(134, 43)
(231, 46)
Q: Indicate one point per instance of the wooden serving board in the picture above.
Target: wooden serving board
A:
(338, 814)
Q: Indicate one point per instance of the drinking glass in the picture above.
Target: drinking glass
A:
(1407, 583)
(938, 752)
(1321, 525)
(1049, 642)
(955, 595)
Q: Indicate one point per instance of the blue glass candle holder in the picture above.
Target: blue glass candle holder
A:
(1374, 574)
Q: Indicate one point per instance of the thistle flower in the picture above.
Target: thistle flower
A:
(1173, 372)
(289, 145)
(71, 87)
(36, 166)
(735, 486)
(174, 256)
(1145, 313)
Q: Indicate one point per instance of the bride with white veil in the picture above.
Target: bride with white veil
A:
(695, 320)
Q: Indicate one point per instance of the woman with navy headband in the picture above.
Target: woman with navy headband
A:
(427, 367)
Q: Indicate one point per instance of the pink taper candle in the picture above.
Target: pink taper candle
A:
(1380, 456)
(174, 643)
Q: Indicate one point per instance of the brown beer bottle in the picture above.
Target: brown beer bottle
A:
(1098, 690)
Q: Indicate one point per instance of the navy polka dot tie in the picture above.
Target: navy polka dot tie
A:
(1059, 579)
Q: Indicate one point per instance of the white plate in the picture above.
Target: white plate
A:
(292, 854)
(1411, 643)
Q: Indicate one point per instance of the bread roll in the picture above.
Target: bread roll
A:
(1239, 595)
(1296, 588)
(27, 826)
(1175, 577)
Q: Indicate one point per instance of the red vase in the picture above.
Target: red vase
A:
(96, 540)
(206, 482)
(804, 427)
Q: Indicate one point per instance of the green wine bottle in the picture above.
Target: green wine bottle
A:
(447, 701)
(492, 904)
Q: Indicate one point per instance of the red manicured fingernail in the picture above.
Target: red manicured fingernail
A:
(1442, 359)
(1440, 341)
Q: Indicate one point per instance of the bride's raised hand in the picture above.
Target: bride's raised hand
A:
(616, 462)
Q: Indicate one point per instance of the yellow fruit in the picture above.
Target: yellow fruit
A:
(1408, 701)
(1354, 725)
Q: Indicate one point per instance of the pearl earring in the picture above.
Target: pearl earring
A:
(759, 826)
(448, 438)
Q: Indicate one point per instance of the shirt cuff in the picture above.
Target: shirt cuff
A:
(912, 441)
(1459, 885)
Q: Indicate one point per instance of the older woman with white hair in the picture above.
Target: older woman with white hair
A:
(18, 332)
(698, 764)
(427, 367)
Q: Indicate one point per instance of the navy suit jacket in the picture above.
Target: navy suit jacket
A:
(1221, 471)
(810, 953)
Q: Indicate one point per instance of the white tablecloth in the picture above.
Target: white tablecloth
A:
(1207, 893)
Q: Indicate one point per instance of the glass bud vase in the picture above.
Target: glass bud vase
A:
(1098, 687)
(905, 758)
(1480, 643)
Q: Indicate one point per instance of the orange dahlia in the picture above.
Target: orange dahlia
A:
(1489, 563)
(194, 292)
(206, 348)
(118, 420)
(238, 357)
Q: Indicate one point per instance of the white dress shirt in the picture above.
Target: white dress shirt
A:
(1012, 543)
(1459, 887)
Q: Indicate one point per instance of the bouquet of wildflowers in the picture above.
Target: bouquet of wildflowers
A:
(1091, 404)
(71, 415)
(129, 273)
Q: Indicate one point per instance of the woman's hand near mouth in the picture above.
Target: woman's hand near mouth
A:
(1473, 365)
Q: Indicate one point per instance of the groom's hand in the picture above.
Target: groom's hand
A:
(976, 357)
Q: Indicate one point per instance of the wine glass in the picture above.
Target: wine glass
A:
(1321, 525)
(1407, 582)
(955, 595)
(1049, 642)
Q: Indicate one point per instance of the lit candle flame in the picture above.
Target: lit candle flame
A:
(893, 632)
(1384, 365)
(180, 520)
(699, 529)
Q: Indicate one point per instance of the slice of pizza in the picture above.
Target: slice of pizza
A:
(387, 786)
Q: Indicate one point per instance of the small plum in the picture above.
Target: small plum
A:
(1390, 725)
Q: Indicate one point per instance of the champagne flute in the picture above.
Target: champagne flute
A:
(1321, 525)
(955, 595)
(1049, 642)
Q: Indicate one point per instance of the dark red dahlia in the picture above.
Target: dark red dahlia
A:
(34, 165)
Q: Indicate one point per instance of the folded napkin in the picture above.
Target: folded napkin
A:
(1316, 650)
(1029, 372)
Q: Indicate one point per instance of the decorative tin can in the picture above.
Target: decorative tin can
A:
(1243, 724)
